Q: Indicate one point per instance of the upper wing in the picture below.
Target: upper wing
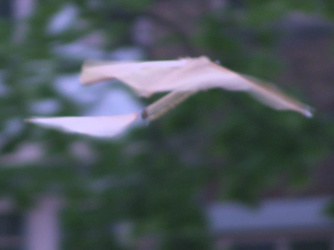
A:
(104, 126)
(185, 77)
(201, 74)
(143, 77)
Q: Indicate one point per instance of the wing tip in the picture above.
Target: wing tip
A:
(308, 113)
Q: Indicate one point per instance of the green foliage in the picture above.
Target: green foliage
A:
(157, 177)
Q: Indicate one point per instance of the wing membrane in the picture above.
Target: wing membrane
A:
(104, 126)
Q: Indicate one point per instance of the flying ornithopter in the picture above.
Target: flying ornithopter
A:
(181, 78)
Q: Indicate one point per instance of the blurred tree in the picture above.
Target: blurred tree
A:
(159, 178)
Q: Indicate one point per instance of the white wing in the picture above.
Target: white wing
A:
(183, 78)
(104, 126)
(143, 77)
(202, 74)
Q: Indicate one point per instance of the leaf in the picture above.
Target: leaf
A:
(104, 126)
